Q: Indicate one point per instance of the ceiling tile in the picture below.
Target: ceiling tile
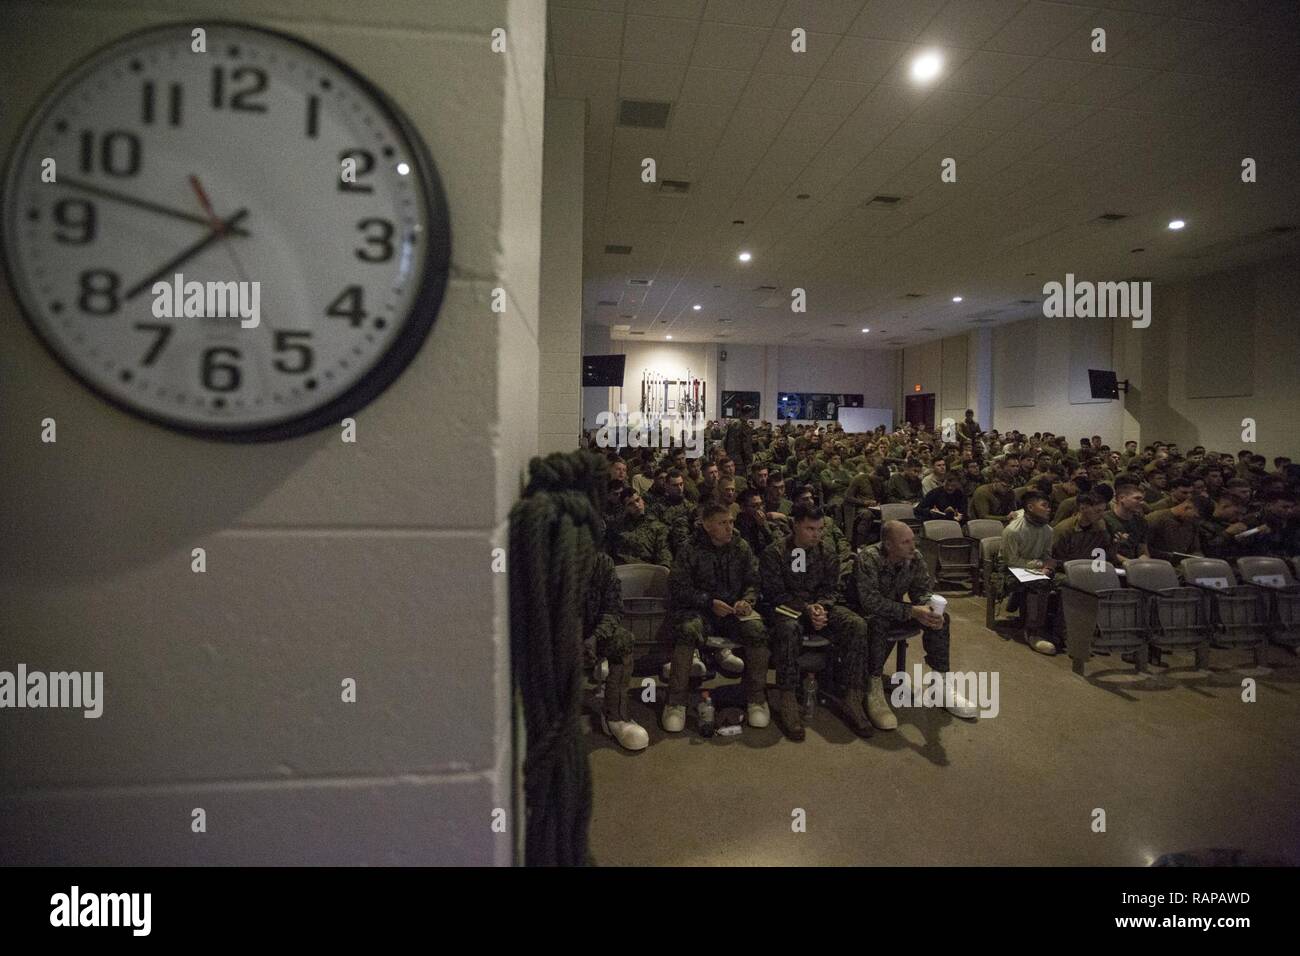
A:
(894, 19)
(774, 91)
(576, 32)
(713, 87)
(726, 46)
(777, 57)
(757, 13)
(1039, 27)
(819, 16)
(658, 40)
(969, 23)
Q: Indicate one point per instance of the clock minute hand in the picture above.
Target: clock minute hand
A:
(94, 190)
(186, 254)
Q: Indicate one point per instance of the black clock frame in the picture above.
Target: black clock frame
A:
(418, 322)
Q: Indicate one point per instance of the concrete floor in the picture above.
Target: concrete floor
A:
(1176, 764)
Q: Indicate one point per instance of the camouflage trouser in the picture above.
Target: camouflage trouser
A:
(615, 646)
(847, 632)
(693, 628)
(689, 633)
(934, 641)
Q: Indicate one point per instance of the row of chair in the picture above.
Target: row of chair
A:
(1151, 611)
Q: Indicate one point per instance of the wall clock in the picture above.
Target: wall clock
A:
(219, 174)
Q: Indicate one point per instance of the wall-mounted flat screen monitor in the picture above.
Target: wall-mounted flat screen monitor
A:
(814, 406)
(740, 404)
(603, 371)
(1103, 384)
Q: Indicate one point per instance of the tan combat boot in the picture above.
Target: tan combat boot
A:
(878, 707)
(854, 714)
(788, 716)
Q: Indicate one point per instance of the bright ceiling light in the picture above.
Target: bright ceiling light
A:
(668, 336)
(866, 330)
(745, 257)
(956, 298)
(1177, 224)
(697, 307)
(403, 169)
(926, 66)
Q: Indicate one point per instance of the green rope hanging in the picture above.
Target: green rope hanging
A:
(553, 533)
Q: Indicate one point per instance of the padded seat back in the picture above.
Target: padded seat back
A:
(1270, 570)
(1208, 572)
(981, 528)
(942, 529)
(1151, 574)
(1079, 574)
(642, 580)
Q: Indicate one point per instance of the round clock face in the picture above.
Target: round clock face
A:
(246, 242)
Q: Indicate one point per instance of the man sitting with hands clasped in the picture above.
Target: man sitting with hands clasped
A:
(886, 573)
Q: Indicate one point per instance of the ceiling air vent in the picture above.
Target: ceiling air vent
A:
(1282, 230)
(636, 333)
(618, 250)
(927, 330)
(606, 302)
(881, 202)
(641, 282)
(675, 187)
(643, 114)
(1112, 216)
(764, 288)
(914, 295)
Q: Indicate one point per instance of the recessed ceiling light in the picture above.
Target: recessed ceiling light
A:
(927, 66)
(403, 169)
(745, 257)
(1177, 224)
(697, 307)
(956, 298)
(668, 336)
(866, 330)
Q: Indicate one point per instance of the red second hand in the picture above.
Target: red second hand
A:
(217, 224)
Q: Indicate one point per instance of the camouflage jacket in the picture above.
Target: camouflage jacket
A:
(642, 540)
(704, 571)
(679, 519)
(880, 586)
(816, 583)
(602, 612)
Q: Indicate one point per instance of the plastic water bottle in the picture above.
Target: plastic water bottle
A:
(809, 696)
(706, 714)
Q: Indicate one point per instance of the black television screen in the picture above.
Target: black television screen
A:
(603, 371)
(1103, 384)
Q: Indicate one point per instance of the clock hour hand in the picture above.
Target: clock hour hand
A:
(94, 190)
(186, 254)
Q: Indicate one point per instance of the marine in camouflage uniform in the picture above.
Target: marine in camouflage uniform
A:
(797, 582)
(640, 539)
(602, 626)
(880, 583)
(702, 573)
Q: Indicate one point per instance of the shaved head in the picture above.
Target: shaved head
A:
(897, 540)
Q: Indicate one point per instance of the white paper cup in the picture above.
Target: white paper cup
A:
(938, 603)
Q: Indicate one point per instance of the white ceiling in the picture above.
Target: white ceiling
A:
(1047, 136)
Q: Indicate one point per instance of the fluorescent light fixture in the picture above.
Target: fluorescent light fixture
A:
(1177, 224)
(927, 66)
(866, 330)
(745, 257)
(668, 336)
(956, 298)
(697, 307)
